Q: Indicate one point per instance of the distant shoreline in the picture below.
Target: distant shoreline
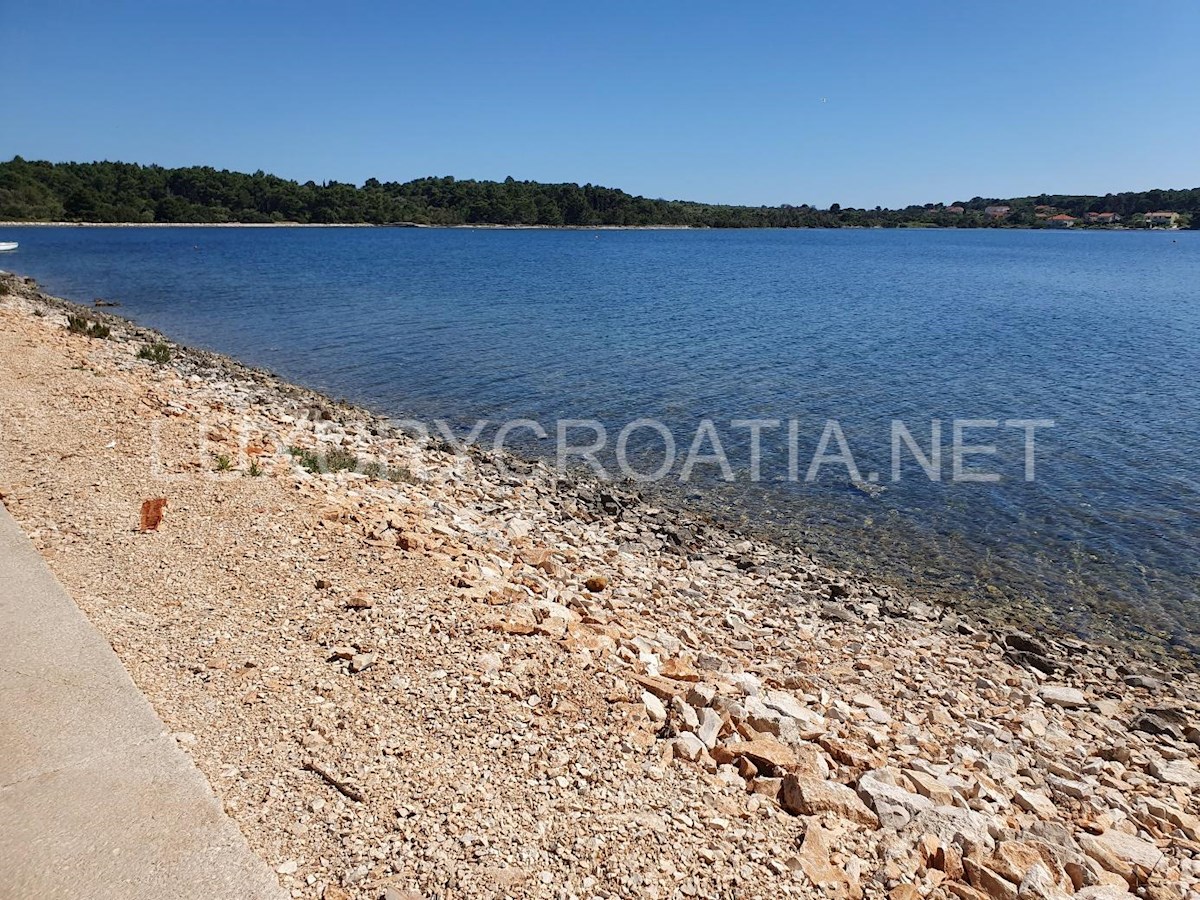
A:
(401, 226)
(397, 225)
(129, 194)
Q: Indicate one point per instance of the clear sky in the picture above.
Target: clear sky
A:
(862, 103)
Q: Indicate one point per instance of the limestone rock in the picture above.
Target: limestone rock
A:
(815, 861)
(1015, 859)
(804, 796)
(1035, 802)
(953, 825)
(1066, 697)
(688, 746)
(708, 729)
(988, 881)
(767, 787)
(1185, 822)
(654, 707)
(928, 786)
(1119, 853)
(894, 805)
(1179, 771)
(1040, 884)
(1103, 892)
(701, 694)
(763, 751)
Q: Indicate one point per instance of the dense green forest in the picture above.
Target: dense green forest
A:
(127, 192)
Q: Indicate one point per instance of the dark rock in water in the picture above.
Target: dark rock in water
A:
(870, 488)
(835, 613)
(922, 612)
(679, 535)
(610, 504)
(1034, 660)
(101, 302)
(1019, 640)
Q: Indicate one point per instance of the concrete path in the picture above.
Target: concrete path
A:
(96, 799)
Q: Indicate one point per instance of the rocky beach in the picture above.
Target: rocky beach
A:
(410, 672)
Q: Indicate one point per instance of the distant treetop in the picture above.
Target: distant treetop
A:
(128, 192)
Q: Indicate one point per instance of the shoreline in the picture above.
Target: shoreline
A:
(995, 613)
(499, 227)
(393, 225)
(984, 605)
(842, 711)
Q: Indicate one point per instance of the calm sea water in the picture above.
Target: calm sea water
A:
(1099, 332)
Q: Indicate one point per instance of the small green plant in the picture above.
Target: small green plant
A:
(381, 471)
(224, 463)
(84, 325)
(335, 459)
(158, 353)
(255, 469)
(309, 461)
(339, 459)
(40, 313)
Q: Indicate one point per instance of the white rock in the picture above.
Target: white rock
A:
(654, 707)
(1103, 892)
(686, 714)
(688, 746)
(1178, 771)
(1120, 852)
(1039, 884)
(1080, 790)
(893, 804)
(1035, 802)
(954, 826)
(1060, 695)
(783, 702)
(709, 728)
(749, 684)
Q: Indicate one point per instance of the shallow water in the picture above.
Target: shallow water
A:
(1097, 331)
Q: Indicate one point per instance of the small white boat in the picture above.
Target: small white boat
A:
(8, 245)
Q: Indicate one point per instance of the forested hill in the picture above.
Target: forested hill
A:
(127, 192)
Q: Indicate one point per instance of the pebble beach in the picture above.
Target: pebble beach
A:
(435, 674)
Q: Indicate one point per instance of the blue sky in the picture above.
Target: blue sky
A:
(860, 103)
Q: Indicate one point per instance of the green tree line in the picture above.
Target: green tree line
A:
(128, 192)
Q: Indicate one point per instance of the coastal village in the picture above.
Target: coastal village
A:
(440, 675)
(1053, 217)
